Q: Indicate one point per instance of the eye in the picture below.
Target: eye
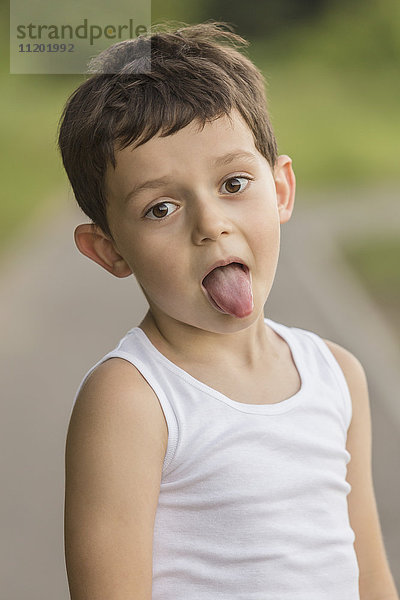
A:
(159, 211)
(235, 184)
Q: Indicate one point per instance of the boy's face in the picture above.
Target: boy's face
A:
(210, 207)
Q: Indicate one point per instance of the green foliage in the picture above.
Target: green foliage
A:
(334, 124)
(334, 93)
(31, 163)
(364, 36)
(179, 10)
(257, 19)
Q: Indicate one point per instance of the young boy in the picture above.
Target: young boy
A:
(208, 455)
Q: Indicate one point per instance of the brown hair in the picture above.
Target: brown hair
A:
(157, 83)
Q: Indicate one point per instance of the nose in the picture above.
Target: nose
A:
(209, 221)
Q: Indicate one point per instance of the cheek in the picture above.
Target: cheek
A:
(157, 269)
(265, 232)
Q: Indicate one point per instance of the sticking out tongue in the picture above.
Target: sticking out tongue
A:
(230, 289)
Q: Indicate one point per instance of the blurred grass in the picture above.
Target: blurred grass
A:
(333, 126)
(376, 260)
(31, 165)
(334, 94)
(333, 91)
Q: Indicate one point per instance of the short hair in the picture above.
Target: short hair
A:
(157, 83)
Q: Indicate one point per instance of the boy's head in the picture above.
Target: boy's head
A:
(197, 121)
(188, 74)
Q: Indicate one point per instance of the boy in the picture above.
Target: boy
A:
(207, 454)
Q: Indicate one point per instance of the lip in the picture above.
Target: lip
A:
(223, 262)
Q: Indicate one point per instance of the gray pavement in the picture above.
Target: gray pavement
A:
(59, 313)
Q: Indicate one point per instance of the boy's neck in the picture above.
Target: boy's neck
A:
(249, 348)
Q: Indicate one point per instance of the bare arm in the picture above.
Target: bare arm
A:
(376, 581)
(115, 449)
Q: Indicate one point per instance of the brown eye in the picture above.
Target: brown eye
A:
(159, 211)
(235, 184)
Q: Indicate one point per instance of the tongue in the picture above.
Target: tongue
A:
(230, 289)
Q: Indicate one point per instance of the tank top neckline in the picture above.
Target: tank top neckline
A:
(267, 409)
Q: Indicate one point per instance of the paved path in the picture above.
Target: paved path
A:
(59, 313)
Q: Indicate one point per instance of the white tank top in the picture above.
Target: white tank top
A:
(253, 498)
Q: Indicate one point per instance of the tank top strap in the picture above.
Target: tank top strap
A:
(312, 342)
(131, 350)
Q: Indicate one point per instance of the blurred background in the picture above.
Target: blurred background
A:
(333, 86)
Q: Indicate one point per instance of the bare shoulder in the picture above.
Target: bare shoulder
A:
(117, 389)
(352, 369)
(115, 448)
(356, 379)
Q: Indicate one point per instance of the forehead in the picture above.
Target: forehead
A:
(191, 146)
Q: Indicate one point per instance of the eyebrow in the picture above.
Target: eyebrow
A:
(219, 161)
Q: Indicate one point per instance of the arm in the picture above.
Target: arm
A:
(115, 449)
(376, 581)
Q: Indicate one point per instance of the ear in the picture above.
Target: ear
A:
(285, 185)
(93, 243)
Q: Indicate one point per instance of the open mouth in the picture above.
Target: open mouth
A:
(227, 286)
(226, 263)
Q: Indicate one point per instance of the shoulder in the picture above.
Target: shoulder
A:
(352, 369)
(359, 433)
(116, 392)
